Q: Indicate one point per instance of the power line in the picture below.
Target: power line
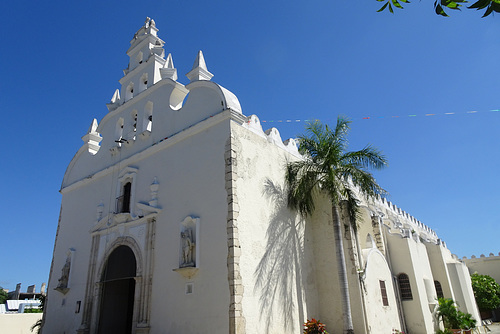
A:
(368, 117)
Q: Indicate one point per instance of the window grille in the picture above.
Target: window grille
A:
(383, 290)
(439, 289)
(404, 287)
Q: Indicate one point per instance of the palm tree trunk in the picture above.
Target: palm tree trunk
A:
(342, 271)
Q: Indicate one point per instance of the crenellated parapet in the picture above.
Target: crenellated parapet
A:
(491, 255)
(398, 221)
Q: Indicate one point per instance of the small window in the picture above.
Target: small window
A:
(129, 93)
(148, 117)
(383, 290)
(189, 288)
(143, 83)
(119, 132)
(139, 57)
(123, 202)
(439, 289)
(404, 287)
(134, 125)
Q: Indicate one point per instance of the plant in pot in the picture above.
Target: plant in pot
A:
(313, 326)
(454, 321)
(467, 322)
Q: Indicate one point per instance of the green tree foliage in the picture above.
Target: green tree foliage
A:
(3, 296)
(439, 5)
(486, 291)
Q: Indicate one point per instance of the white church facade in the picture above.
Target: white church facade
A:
(174, 220)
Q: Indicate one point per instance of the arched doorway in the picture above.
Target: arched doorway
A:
(117, 294)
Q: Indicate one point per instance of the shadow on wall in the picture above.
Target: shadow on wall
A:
(279, 273)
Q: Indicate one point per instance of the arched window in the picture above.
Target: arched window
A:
(439, 289)
(143, 83)
(123, 202)
(148, 117)
(404, 287)
(139, 57)
(119, 132)
(132, 134)
(129, 93)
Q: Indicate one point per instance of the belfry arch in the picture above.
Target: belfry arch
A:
(117, 298)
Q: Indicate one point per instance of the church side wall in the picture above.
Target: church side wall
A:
(326, 270)
(275, 263)
(461, 283)
(373, 269)
(454, 278)
(438, 259)
(409, 256)
(380, 318)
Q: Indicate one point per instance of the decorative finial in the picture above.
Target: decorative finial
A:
(200, 61)
(168, 70)
(92, 138)
(199, 71)
(116, 96)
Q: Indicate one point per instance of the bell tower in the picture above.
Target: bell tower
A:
(146, 58)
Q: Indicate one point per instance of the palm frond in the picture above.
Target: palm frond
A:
(352, 203)
(368, 157)
(302, 186)
(328, 167)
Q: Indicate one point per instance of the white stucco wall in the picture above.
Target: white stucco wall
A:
(275, 263)
(485, 265)
(380, 318)
(19, 323)
(461, 283)
(439, 256)
(410, 257)
(190, 175)
(326, 271)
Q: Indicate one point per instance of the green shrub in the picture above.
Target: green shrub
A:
(486, 291)
(452, 317)
(33, 310)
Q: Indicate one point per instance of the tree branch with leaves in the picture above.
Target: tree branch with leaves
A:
(440, 5)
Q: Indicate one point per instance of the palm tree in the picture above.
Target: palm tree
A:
(327, 168)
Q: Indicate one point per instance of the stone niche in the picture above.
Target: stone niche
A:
(188, 247)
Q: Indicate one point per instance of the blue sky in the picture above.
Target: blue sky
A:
(285, 60)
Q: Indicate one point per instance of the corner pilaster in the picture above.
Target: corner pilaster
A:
(236, 318)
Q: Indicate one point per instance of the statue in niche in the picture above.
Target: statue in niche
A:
(63, 281)
(187, 247)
